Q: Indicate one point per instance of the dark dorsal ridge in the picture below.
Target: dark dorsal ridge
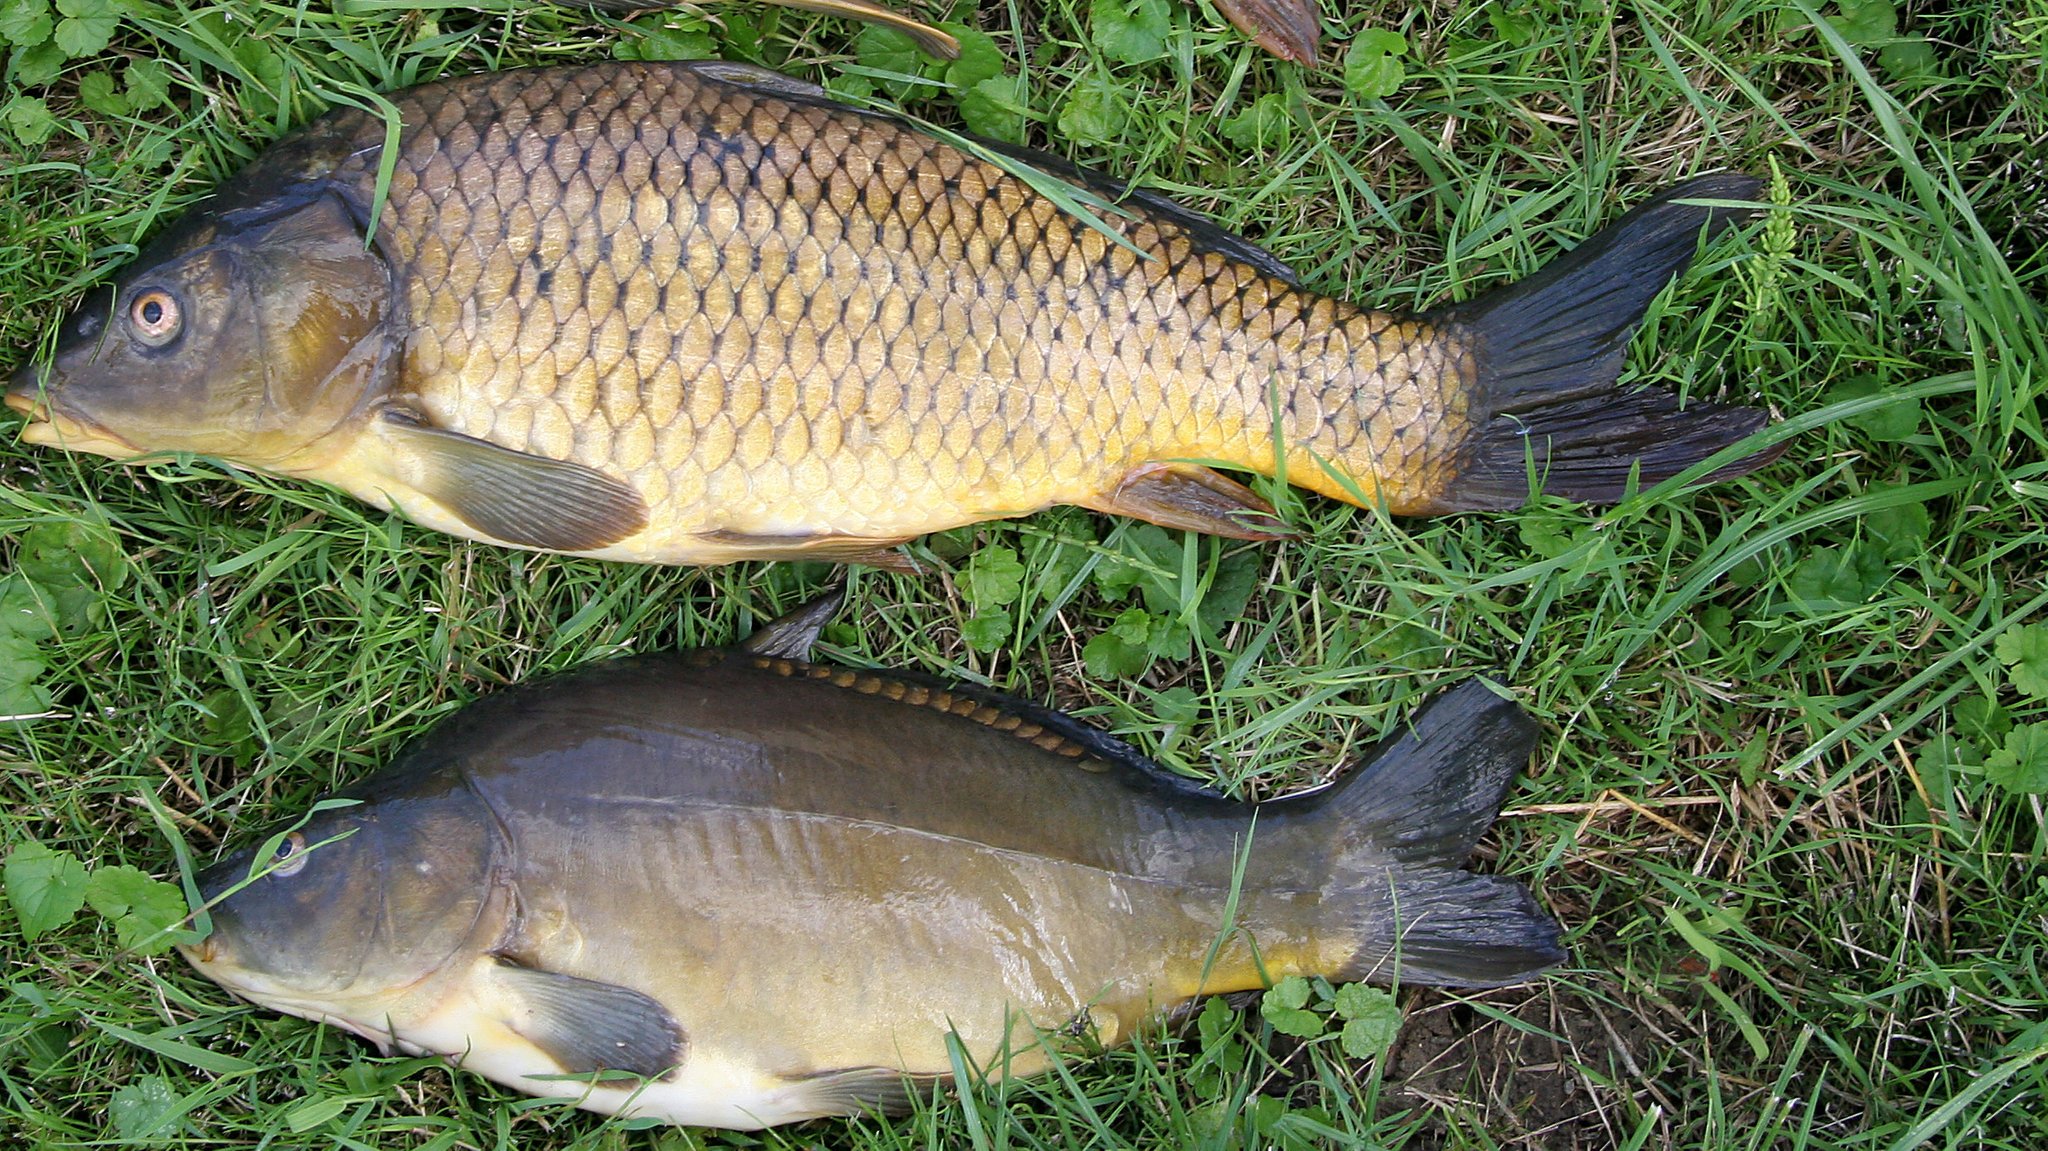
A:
(946, 699)
(1040, 726)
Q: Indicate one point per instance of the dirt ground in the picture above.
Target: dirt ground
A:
(1545, 1067)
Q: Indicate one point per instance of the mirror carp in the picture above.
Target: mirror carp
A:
(769, 890)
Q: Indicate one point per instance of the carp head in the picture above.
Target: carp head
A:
(360, 915)
(251, 334)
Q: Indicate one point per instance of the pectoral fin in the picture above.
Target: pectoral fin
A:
(513, 496)
(586, 1026)
(1192, 498)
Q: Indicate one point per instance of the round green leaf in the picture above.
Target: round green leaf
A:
(45, 888)
(1291, 993)
(143, 910)
(96, 90)
(995, 577)
(1264, 123)
(1866, 21)
(987, 630)
(1130, 31)
(2024, 652)
(25, 23)
(995, 108)
(2021, 766)
(1372, 1019)
(979, 60)
(1895, 421)
(1372, 65)
(1125, 650)
(143, 1111)
(88, 26)
(28, 118)
(1092, 115)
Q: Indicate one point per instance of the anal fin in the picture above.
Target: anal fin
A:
(586, 1026)
(855, 1091)
(1192, 498)
(511, 496)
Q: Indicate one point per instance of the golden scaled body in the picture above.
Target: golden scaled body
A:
(785, 322)
(694, 313)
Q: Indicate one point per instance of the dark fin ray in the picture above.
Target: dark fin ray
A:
(1550, 348)
(1454, 929)
(1192, 498)
(791, 636)
(586, 1026)
(1398, 831)
(859, 1090)
(513, 497)
(1595, 448)
(1425, 796)
(1289, 29)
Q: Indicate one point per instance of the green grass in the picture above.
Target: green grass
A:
(1806, 910)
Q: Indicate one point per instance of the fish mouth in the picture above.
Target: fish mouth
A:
(21, 396)
(197, 954)
(50, 426)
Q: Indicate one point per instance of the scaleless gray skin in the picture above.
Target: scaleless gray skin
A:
(772, 888)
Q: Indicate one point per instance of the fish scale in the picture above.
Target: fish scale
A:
(694, 313)
(939, 272)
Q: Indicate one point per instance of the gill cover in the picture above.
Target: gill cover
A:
(250, 333)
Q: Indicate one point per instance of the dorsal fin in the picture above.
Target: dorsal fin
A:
(791, 636)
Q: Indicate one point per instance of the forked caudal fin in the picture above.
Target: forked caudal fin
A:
(1404, 825)
(1549, 351)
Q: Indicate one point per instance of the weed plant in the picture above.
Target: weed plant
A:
(1795, 727)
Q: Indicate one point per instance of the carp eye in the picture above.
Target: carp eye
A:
(291, 856)
(155, 317)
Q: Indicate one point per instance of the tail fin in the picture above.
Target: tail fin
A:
(1550, 347)
(1405, 824)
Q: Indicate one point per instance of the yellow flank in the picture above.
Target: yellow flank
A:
(789, 326)
(910, 936)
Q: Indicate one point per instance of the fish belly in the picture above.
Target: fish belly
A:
(788, 321)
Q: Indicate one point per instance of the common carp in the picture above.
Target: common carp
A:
(767, 890)
(696, 313)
